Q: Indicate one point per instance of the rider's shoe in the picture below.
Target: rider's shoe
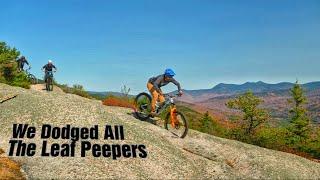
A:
(153, 114)
(161, 105)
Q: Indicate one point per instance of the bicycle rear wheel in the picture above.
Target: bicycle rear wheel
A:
(180, 128)
(32, 79)
(143, 106)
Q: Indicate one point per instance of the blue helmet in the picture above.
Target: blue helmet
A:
(169, 72)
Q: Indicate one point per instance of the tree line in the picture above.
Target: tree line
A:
(299, 136)
(9, 73)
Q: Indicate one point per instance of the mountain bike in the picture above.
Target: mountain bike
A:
(31, 77)
(175, 121)
(49, 81)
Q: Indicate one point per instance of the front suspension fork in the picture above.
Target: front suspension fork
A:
(173, 116)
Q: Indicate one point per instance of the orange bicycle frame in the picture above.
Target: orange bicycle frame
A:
(173, 116)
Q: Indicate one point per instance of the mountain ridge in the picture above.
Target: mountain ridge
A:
(226, 88)
(275, 97)
(260, 86)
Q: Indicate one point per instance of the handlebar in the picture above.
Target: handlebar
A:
(51, 71)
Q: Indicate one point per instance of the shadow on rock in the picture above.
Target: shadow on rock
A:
(149, 120)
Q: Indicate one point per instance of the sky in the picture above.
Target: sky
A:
(105, 44)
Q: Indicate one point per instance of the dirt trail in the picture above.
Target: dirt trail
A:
(198, 156)
(42, 87)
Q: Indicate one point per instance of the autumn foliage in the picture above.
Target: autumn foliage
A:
(9, 169)
(118, 101)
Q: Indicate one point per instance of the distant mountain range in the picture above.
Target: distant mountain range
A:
(275, 97)
(256, 87)
(260, 87)
(104, 94)
(229, 89)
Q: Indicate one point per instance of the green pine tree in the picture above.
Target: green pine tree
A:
(206, 123)
(299, 128)
(7, 63)
(8, 67)
(253, 116)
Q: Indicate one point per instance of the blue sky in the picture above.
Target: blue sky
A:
(104, 44)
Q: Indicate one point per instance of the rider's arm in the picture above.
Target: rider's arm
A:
(176, 83)
(26, 62)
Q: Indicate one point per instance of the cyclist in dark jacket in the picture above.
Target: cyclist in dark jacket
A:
(48, 68)
(21, 61)
(155, 83)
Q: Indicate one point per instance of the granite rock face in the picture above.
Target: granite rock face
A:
(197, 156)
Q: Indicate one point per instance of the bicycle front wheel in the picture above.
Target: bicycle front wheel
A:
(178, 128)
(49, 85)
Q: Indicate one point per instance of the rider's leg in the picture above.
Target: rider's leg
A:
(161, 99)
(154, 95)
(20, 67)
(45, 77)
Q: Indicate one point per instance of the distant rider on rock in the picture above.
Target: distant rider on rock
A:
(21, 61)
(48, 68)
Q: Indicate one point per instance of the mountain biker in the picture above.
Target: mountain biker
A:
(154, 85)
(48, 68)
(21, 61)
